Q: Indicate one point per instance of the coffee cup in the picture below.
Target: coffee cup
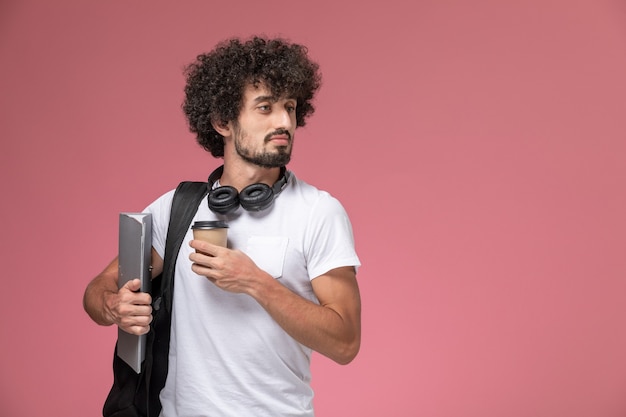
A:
(214, 232)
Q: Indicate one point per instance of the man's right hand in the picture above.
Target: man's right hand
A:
(126, 307)
(129, 309)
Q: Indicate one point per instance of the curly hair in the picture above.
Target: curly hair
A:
(216, 82)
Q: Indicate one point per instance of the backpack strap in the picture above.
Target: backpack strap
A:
(187, 197)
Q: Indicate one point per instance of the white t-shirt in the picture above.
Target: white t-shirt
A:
(228, 357)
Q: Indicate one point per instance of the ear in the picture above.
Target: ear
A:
(222, 128)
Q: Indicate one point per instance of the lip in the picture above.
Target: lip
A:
(280, 139)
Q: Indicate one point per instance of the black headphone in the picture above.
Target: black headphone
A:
(254, 197)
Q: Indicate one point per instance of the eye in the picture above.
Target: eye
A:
(290, 108)
(264, 107)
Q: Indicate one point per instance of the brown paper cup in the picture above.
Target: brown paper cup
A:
(214, 232)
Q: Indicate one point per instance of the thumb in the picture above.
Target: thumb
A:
(133, 284)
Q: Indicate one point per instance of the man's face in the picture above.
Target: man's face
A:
(264, 132)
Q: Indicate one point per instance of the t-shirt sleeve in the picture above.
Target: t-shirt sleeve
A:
(160, 210)
(329, 238)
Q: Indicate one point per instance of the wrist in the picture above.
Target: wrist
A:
(108, 301)
(266, 289)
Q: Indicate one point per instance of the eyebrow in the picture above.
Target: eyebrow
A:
(273, 99)
(264, 98)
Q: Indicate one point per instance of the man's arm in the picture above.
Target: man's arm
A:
(126, 307)
(332, 328)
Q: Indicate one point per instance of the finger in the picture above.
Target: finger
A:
(136, 330)
(130, 293)
(204, 247)
(201, 259)
(131, 299)
(136, 324)
(132, 311)
(133, 285)
(206, 269)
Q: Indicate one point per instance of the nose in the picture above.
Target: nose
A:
(284, 119)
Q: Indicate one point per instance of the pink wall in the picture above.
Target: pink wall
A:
(478, 146)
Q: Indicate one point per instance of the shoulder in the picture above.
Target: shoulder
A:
(311, 203)
(312, 196)
(304, 189)
(162, 204)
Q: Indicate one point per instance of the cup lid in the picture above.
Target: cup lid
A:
(209, 224)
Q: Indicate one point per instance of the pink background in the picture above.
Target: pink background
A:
(478, 146)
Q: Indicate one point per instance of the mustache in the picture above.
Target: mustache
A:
(277, 132)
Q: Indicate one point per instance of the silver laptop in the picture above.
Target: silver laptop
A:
(135, 246)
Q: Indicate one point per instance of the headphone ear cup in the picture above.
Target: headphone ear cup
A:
(256, 197)
(223, 199)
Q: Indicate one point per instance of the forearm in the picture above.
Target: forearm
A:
(98, 292)
(94, 299)
(329, 330)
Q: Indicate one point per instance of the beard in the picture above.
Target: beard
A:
(279, 158)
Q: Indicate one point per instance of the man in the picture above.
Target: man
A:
(246, 318)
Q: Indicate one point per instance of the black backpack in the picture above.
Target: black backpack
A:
(137, 395)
